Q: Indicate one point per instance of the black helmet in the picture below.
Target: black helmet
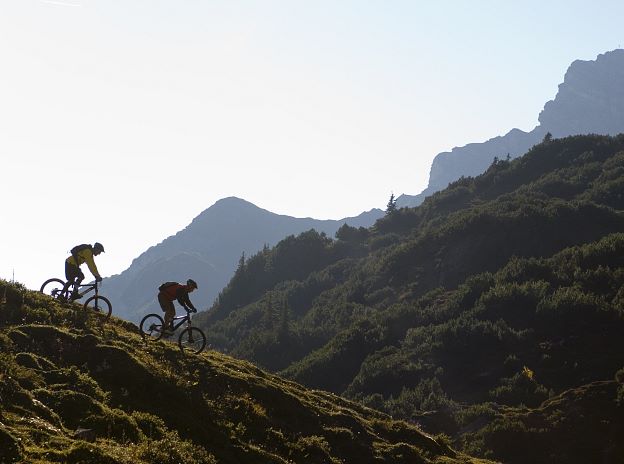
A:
(97, 246)
(191, 283)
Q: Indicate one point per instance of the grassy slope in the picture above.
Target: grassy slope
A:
(62, 371)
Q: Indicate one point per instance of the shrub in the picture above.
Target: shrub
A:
(522, 388)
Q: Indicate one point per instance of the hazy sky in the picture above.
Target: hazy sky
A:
(120, 121)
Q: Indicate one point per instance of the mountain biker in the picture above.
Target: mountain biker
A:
(170, 291)
(79, 255)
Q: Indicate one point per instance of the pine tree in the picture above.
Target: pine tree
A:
(241, 264)
(269, 315)
(391, 207)
(283, 333)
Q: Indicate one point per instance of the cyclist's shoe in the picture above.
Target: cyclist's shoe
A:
(166, 333)
(74, 295)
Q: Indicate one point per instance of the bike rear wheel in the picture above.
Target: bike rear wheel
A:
(55, 288)
(100, 305)
(192, 340)
(151, 327)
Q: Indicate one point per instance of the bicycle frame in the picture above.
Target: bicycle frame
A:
(182, 320)
(88, 288)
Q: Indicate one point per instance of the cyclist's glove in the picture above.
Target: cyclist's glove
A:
(98, 279)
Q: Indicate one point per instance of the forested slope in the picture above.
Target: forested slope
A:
(502, 290)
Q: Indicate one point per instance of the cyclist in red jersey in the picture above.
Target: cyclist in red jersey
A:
(170, 291)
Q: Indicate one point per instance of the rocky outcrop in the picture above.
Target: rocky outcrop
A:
(589, 101)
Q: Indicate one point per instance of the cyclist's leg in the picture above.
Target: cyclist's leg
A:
(74, 277)
(169, 309)
(79, 278)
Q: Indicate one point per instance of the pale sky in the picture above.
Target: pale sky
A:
(122, 120)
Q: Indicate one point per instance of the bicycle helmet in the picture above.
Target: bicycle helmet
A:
(191, 283)
(97, 246)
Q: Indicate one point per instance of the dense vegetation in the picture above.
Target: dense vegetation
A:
(76, 390)
(501, 293)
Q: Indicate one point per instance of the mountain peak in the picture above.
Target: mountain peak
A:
(228, 201)
(590, 100)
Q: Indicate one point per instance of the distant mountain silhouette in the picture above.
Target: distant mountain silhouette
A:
(589, 101)
(208, 250)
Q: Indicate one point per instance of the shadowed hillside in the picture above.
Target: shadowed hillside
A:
(75, 390)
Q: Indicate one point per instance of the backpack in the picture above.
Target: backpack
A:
(78, 248)
(166, 285)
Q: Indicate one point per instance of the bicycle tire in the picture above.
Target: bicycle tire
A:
(100, 305)
(151, 327)
(192, 340)
(55, 288)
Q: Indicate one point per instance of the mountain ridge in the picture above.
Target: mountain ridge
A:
(210, 246)
(590, 100)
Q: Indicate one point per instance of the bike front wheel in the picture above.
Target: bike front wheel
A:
(100, 305)
(55, 288)
(192, 340)
(151, 327)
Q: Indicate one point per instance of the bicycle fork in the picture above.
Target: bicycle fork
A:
(190, 331)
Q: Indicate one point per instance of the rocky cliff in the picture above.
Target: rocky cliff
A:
(589, 101)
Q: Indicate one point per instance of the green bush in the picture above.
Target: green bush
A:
(522, 388)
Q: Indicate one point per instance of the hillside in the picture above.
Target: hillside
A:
(590, 100)
(75, 390)
(501, 291)
(209, 249)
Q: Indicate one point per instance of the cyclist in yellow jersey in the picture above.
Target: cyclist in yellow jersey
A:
(79, 255)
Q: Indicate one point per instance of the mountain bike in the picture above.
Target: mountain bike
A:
(69, 291)
(190, 340)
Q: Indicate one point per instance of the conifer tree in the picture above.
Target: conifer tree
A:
(284, 322)
(269, 316)
(241, 264)
(391, 207)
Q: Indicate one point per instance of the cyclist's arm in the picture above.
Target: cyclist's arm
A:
(91, 264)
(184, 299)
